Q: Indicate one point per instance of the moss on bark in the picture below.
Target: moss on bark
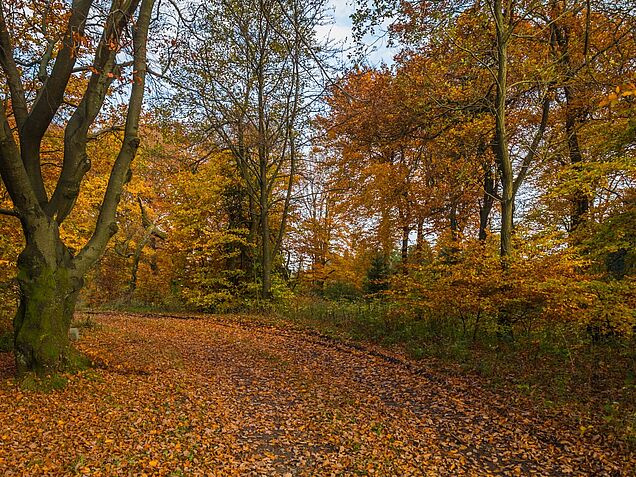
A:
(41, 325)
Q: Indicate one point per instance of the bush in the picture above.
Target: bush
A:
(341, 290)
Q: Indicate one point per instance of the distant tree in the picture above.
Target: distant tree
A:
(247, 77)
(377, 279)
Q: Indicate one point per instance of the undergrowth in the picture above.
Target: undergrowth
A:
(555, 364)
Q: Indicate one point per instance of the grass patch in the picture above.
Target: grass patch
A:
(44, 384)
(86, 322)
(77, 361)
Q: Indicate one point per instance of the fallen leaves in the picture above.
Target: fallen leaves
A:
(218, 397)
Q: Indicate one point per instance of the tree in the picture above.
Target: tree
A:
(50, 276)
(400, 159)
(247, 76)
(586, 39)
(378, 274)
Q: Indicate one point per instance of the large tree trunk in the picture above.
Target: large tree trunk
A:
(49, 288)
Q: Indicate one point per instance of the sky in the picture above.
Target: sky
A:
(340, 30)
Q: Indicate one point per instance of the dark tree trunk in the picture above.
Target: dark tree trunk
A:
(406, 231)
(454, 223)
(580, 199)
(266, 272)
(418, 256)
(266, 245)
(238, 261)
(252, 240)
(487, 203)
(154, 266)
(49, 287)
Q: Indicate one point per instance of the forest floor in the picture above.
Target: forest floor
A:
(224, 395)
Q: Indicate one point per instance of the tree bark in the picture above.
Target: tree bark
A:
(580, 199)
(266, 245)
(487, 202)
(510, 184)
(502, 156)
(419, 242)
(151, 233)
(404, 252)
(49, 286)
(501, 141)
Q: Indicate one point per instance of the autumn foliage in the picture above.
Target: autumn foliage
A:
(472, 202)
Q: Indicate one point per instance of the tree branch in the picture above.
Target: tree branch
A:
(532, 151)
(106, 225)
(76, 161)
(14, 80)
(10, 212)
(50, 97)
(13, 173)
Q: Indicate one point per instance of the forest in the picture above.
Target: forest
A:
(234, 242)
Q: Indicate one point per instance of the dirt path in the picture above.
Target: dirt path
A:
(217, 397)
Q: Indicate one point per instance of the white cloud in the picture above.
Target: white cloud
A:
(335, 32)
(341, 31)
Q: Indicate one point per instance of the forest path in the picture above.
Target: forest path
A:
(222, 396)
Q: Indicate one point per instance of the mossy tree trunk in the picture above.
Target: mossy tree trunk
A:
(48, 293)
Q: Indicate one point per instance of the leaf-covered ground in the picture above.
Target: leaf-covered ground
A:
(223, 396)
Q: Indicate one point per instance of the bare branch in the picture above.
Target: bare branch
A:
(10, 69)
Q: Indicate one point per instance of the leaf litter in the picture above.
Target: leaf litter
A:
(216, 396)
